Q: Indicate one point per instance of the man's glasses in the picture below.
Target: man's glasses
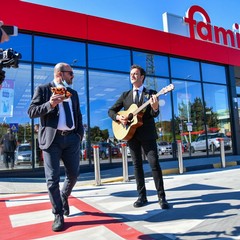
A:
(70, 72)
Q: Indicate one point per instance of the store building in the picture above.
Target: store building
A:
(200, 60)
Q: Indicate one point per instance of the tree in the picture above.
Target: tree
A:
(97, 135)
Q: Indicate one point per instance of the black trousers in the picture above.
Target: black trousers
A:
(8, 157)
(150, 149)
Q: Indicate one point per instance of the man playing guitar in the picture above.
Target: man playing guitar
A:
(144, 134)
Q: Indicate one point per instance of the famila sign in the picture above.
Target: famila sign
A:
(201, 30)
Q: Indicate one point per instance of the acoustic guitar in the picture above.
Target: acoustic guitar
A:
(135, 114)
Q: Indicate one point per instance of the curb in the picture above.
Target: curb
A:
(169, 172)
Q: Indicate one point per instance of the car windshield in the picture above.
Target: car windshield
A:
(24, 148)
(163, 143)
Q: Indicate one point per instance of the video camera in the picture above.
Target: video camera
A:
(9, 57)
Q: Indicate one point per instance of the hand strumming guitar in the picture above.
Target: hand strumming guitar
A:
(122, 119)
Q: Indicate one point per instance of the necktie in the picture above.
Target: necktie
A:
(136, 100)
(69, 121)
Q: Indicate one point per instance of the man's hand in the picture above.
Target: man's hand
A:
(3, 35)
(55, 99)
(154, 102)
(122, 119)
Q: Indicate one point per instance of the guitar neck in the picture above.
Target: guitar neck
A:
(162, 91)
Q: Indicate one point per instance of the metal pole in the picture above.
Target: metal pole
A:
(125, 162)
(222, 152)
(96, 165)
(180, 158)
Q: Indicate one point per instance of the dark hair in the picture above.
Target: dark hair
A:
(142, 71)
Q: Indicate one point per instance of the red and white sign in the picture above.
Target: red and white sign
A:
(201, 30)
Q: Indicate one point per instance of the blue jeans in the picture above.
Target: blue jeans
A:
(67, 149)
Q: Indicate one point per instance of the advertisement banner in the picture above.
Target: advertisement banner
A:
(6, 98)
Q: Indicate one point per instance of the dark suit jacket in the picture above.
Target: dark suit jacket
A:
(40, 107)
(148, 130)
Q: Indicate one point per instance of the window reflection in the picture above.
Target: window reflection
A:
(163, 121)
(52, 50)
(21, 44)
(104, 89)
(15, 95)
(217, 109)
(185, 69)
(188, 111)
(219, 75)
(108, 58)
(154, 64)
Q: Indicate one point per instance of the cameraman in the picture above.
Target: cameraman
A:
(9, 57)
(3, 38)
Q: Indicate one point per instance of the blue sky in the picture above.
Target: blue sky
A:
(148, 13)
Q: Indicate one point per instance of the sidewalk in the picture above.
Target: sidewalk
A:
(204, 205)
(15, 185)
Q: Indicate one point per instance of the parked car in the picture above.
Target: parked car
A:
(128, 152)
(23, 154)
(164, 147)
(213, 142)
(119, 145)
(115, 151)
(104, 150)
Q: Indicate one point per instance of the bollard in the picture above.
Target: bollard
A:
(222, 152)
(180, 158)
(96, 165)
(125, 162)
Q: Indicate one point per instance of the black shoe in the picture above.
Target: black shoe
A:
(140, 202)
(163, 203)
(66, 210)
(58, 223)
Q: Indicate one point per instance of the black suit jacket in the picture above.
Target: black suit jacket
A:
(40, 107)
(148, 130)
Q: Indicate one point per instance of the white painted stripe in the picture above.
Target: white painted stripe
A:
(99, 233)
(27, 201)
(24, 219)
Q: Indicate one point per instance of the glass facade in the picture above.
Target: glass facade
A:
(196, 109)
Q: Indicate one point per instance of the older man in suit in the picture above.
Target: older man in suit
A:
(145, 135)
(57, 139)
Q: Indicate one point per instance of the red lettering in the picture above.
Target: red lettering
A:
(220, 32)
(237, 34)
(191, 22)
(205, 31)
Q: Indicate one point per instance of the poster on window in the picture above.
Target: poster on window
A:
(6, 98)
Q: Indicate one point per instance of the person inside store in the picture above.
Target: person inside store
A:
(144, 136)
(8, 145)
(59, 135)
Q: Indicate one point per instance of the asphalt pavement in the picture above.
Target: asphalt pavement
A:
(204, 199)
